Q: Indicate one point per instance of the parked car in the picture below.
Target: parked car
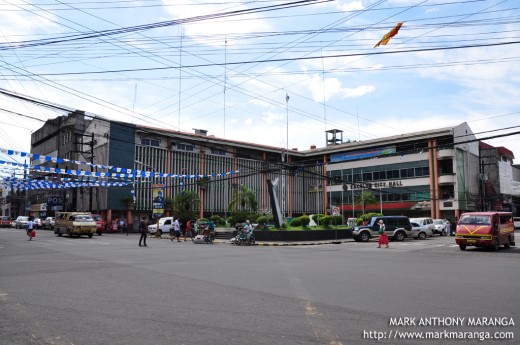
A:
(424, 221)
(420, 231)
(516, 222)
(440, 226)
(100, 224)
(397, 228)
(38, 223)
(5, 221)
(165, 225)
(48, 223)
(20, 222)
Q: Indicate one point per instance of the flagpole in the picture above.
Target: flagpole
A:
(287, 121)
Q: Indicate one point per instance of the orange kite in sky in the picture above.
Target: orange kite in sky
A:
(386, 38)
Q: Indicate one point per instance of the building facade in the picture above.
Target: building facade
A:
(437, 173)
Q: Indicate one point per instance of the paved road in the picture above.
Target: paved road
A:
(107, 290)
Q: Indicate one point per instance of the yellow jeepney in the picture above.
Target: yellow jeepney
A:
(74, 224)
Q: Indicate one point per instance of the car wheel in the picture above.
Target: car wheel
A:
(160, 232)
(364, 237)
(90, 235)
(443, 233)
(422, 235)
(99, 233)
(399, 237)
(462, 246)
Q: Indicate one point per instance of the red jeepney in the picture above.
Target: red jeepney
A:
(485, 229)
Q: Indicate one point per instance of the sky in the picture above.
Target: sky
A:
(277, 73)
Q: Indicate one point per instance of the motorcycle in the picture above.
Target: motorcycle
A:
(241, 238)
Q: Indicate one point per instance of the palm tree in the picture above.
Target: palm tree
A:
(365, 198)
(186, 205)
(245, 199)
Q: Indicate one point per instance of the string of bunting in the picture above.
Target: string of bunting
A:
(117, 171)
(37, 184)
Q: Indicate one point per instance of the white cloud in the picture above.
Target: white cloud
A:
(271, 118)
(351, 5)
(17, 23)
(216, 27)
(333, 87)
(358, 91)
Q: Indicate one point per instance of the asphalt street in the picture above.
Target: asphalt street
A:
(107, 290)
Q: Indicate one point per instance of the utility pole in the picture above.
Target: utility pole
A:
(91, 170)
(91, 153)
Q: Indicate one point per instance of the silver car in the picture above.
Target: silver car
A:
(421, 231)
(440, 226)
(48, 223)
(20, 222)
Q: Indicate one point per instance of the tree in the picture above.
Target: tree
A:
(186, 205)
(365, 198)
(244, 200)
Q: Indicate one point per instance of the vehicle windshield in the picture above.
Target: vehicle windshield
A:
(82, 218)
(476, 220)
(437, 221)
(97, 218)
(23, 218)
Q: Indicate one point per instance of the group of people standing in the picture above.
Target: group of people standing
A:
(175, 231)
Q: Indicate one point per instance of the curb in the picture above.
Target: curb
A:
(270, 244)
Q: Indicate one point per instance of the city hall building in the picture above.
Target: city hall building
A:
(437, 173)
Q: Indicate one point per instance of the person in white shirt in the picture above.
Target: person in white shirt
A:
(176, 229)
(248, 229)
(30, 227)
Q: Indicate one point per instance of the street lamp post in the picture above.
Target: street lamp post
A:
(381, 199)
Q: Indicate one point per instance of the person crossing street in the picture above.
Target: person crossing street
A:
(142, 230)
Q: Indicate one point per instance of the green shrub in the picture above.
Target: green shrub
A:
(296, 222)
(317, 218)
(218, 220)
(305, 220)
(270, 219)
(366, 217)
(262, 220)
(337, 220)
(325, 221)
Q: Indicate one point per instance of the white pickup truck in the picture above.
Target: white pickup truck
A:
(165, 225)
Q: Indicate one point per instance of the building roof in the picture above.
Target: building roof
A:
(414, 136)
(502, 151)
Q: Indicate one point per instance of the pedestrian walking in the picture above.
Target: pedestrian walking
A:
(176, 229)
(30, 228)
(188, 230)
(121, 226)
(383, 238)
(448, 228)
(142, 230)
(211, 228)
